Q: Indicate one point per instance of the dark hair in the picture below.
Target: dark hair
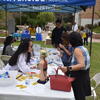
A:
(75, 39)
(65, 38)
(23, 48)
(58, 21)
(7, 42)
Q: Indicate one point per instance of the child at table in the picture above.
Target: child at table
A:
(43, 67)
(20, 60)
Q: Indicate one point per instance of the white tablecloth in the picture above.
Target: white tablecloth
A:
(34, 92)
(37, 92)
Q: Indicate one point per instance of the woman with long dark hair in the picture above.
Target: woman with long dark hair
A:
(7, 49)
(80, 66)
(21, 59)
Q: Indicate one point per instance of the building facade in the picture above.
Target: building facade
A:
(84, 18)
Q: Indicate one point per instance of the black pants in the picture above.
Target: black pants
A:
(85, 41)
(81, 85)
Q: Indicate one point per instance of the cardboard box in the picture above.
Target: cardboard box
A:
(48, 42)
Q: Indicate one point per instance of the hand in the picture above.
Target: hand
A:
(59, 49)
(63, 69)
(61, 46)
(33, 67)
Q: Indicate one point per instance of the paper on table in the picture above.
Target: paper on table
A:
(37, 71)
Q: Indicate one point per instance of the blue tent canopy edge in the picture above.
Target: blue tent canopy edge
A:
(46, 5)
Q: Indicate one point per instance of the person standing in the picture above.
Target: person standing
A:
(79, 68)
(38, 33)
(57, 33)
(75, 27)
(86, 30)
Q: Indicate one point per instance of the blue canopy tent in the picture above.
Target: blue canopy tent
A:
(69, 6)
(45, 5)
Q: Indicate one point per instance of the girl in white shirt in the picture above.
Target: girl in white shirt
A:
(21, 58)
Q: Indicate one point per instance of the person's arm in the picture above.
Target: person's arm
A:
(80, 59)
(60, 51)
(66, 50)
(22, 65)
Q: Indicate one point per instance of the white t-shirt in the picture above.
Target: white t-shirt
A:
(75, 27)
(21, 64)
(38, 30)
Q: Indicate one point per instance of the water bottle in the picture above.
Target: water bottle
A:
(27, 81)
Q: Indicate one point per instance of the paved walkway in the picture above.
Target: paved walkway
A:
(95, 40)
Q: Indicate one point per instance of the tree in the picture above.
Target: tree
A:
(2, 15)
(35, 18)
(44, 17)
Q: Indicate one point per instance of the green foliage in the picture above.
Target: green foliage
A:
(1, 14)
(2, 20)
(40, 18)
(68, 18)
(45, 17)
(2, 27)
(96, 29)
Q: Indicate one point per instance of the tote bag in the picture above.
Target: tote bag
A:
(60, 82)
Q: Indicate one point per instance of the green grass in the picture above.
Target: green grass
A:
(2, 35)
(97, 29)
(36, 42)
(95, 66)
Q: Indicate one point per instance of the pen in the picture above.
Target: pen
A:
(19, 76)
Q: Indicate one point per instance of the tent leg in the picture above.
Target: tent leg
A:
(6, 22)
(92, 30)
(20, 17)
(80, 19)
(74, 17)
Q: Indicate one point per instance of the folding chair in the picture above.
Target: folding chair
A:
(5, 58)
(1, 64)
(95, 78)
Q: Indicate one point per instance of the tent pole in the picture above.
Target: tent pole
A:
(20, 17)
(6, 22)
(93, 9)
(80, 19)
(74, 16)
